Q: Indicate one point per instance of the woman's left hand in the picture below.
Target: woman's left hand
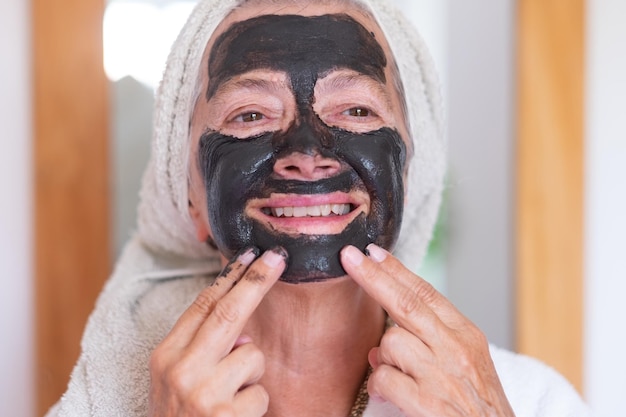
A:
(435, 362)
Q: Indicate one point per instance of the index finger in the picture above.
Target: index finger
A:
(192, 318)
(231, 313)
(410, 301)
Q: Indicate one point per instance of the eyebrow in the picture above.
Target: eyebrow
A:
(251, 84)
(350, 81)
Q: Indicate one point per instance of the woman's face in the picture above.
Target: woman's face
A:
(298, 138)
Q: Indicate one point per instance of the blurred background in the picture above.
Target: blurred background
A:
(530, 239)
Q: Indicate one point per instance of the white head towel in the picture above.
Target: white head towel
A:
(164, 221)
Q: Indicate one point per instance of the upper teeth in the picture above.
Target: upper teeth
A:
(312, 211)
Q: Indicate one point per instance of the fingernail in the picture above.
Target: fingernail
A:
(353, 255)
(248, 256)
(274, 257)
(376, 253)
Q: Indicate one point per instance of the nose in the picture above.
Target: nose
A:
(305, 167)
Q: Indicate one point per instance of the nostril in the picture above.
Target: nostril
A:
(291, 168)
(306, 167)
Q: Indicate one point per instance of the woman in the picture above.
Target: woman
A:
(297, 144)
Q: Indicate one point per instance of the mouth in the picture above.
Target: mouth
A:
(294, 214)
(321, 210)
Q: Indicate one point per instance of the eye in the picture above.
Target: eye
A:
(358, 112)
(249, 117)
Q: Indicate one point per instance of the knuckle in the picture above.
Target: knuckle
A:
(389, 341)
(471, 351)
(371, 274)
(409, 301)
(197, 402)
(265, 398)
(419, 294)
(471, 335)
(380, 381)
(157, 362)
(464, 359)
(176, 376)
(226, 312)
(260, 397)
(257, 357)
(205, 302)
(392, 337)
(253, 360)
(480, 339)
(433, 403)
(382, 377)
(165, 372)
(425, 292)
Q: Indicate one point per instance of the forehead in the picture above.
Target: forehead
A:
(256, 8)
(313, 9)
(302, 46)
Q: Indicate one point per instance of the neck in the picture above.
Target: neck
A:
(315, 337)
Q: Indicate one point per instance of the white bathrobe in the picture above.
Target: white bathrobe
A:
(164, 267)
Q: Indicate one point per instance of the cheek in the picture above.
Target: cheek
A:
(233, 171)
(198, 205)
(379, 158)
(197, 192)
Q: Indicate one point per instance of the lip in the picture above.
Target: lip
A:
(258, 209)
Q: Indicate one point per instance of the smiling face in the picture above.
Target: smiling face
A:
(299, 141)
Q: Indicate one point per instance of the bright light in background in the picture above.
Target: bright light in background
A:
(138, 36)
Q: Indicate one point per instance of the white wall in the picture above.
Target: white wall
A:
(472, 44)
(481, 88)
(605, 251)
(430, 17)
(16, 316)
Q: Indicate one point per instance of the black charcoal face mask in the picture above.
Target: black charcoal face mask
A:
(237, 170)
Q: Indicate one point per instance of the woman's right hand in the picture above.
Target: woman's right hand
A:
(205, 366)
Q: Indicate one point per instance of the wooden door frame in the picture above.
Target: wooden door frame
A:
(549, 192)
(71, 189)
